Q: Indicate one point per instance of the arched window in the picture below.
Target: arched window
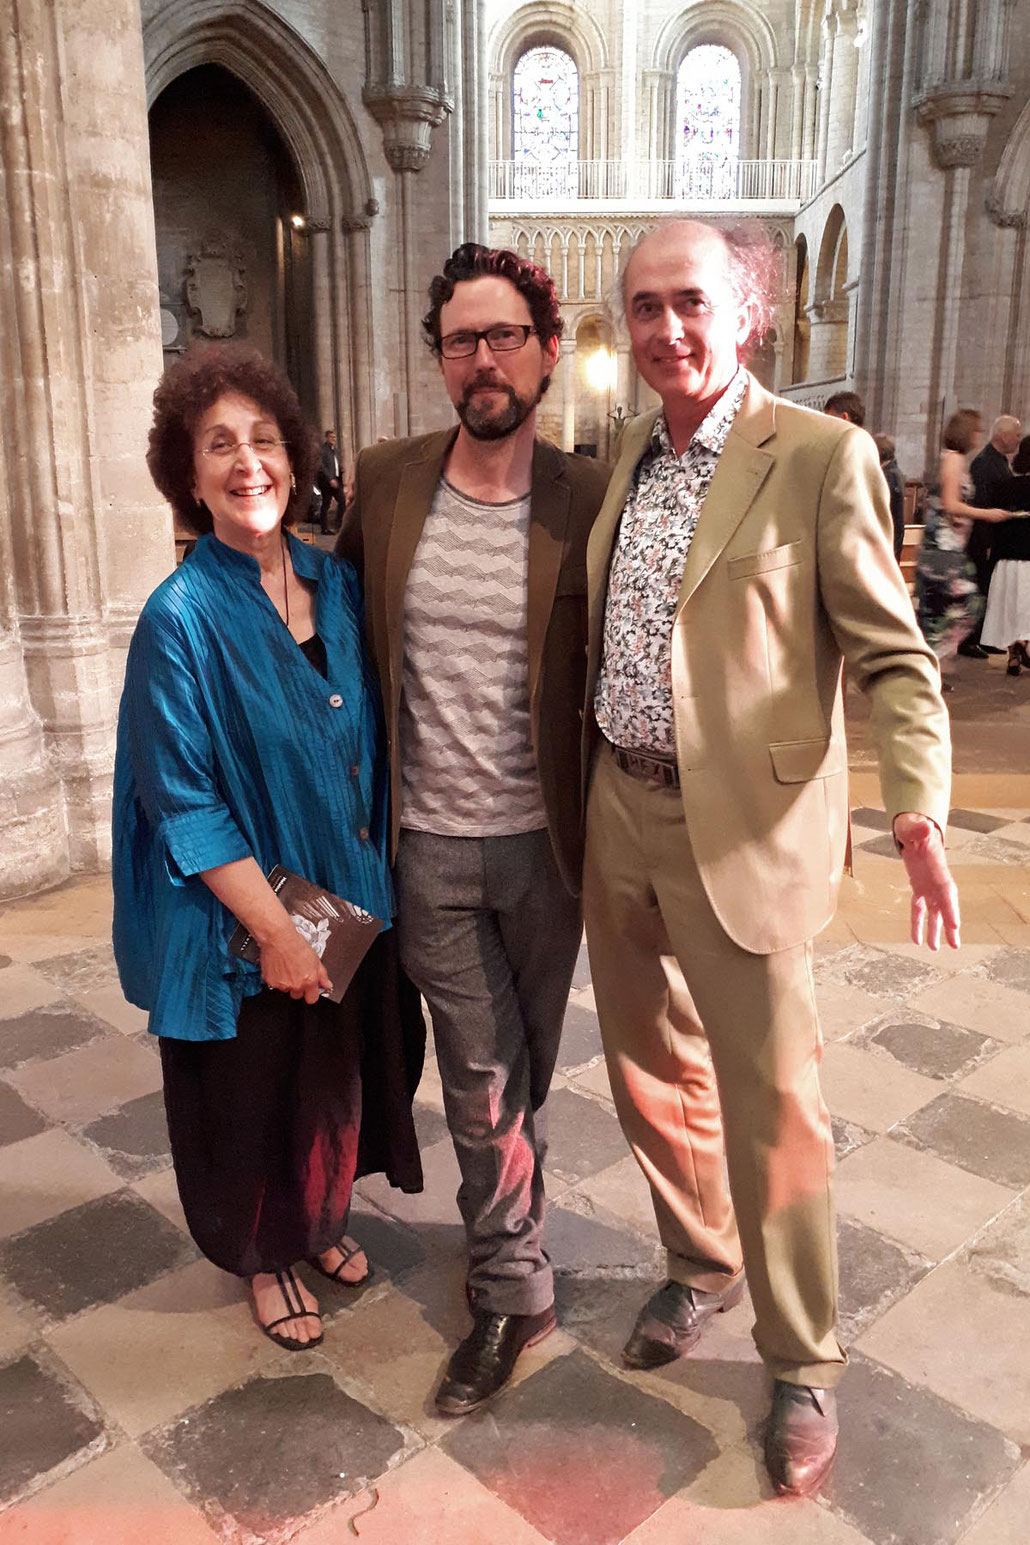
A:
(545, 124)
(708, 123)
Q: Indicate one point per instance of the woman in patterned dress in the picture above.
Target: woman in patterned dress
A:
(948, 601)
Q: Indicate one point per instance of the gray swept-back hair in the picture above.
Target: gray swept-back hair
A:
(754, 271)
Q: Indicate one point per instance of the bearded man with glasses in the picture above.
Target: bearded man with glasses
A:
(472, 545)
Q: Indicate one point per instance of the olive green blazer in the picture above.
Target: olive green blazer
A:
(790, 575)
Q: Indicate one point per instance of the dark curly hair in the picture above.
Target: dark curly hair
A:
(186, 391)
(471, 261)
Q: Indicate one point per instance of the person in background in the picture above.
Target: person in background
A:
(329, 483)
(847, 406)
(250, 735)
(1007, 622)
(887, 452)
(991, 473)
(948, 599)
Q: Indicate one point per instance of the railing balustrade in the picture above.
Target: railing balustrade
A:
(700, 180)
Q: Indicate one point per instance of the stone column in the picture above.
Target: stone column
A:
(568, 378)
(957, 116)
(407, 118)
(81, 355)
(797, 112)
(829, 30)
(351, 249)
(810, 124)
(326, 361)
(625, 394)
(844, 75)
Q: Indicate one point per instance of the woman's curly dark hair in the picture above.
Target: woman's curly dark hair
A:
(471, 261)
(186, 391)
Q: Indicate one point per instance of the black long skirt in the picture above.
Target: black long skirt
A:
(269, 1130)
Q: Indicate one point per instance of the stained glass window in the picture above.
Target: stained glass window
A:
(545, 128)
(708, 114)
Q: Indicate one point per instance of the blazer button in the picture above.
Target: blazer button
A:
(336, 701)
(355, 770)
(363, 834)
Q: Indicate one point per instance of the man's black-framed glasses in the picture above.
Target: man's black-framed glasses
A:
(500, 339)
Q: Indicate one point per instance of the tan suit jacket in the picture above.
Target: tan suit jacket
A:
(790, 572)
(394, 488)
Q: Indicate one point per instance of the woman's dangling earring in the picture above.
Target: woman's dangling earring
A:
(293, 482)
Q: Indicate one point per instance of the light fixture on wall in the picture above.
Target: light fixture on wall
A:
(298, 222)
(602, 369)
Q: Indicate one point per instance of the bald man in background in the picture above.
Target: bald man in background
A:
(991, 473)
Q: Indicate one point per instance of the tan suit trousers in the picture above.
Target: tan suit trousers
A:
(721, 1078)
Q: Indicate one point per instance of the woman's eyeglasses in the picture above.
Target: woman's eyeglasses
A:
(228, 450)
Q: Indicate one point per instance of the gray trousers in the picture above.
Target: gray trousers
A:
(489, 935)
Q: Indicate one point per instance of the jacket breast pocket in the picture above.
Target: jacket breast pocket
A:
(748, 564)
(800, 761)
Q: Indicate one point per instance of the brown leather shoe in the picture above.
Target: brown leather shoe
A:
(485, 1360)
(801, 1438)
(672, 1320)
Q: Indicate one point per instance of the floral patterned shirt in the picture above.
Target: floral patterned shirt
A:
(633, 700)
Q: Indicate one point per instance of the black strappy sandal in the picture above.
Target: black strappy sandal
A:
(348, 1255)
(291, 1295)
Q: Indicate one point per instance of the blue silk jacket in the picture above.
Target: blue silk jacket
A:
(230, 745)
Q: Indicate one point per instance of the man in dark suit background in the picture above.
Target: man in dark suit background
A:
(472, 546)
(329, 481)
(991, 473)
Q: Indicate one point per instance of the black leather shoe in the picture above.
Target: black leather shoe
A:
(671, 1322)
(972, 651)
(801, 1438)
(485, 1360)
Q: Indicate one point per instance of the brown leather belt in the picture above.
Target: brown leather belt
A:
(649, 769)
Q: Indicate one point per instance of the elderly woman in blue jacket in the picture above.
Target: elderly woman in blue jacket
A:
(249, 736)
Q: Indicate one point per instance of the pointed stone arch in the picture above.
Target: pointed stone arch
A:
(301, 97)
(285, 75)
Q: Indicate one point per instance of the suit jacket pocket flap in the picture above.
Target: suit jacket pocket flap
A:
(760, 563)
(795, 761)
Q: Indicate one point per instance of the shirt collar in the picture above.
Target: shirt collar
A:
(304, 556)
(713, 430)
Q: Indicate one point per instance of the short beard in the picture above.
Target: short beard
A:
(496, 424)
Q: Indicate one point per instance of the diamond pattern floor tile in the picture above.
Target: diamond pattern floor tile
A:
(273, 1449)
(529, 1451)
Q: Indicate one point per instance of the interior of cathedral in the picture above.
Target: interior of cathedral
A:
(292, 173)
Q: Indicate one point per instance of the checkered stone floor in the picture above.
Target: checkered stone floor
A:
(139, 1402)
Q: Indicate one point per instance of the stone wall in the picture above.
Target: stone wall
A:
(84, 537)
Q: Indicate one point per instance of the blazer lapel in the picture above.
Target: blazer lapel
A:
(548, 522)
(416, 490)
(740, 473)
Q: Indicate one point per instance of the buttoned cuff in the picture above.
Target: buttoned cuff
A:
(201, 839)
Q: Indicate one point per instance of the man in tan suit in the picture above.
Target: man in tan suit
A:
(472, 545)
(742, 555)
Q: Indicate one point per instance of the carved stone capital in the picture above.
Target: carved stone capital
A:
(318, 225)
(835, 310)
(407, 116)
(957, 115)
(1008, 219)
(350, 225)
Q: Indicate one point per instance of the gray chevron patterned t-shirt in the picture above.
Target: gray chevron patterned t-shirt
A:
(466, 753)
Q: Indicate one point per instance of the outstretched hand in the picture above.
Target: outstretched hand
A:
(934, 893)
